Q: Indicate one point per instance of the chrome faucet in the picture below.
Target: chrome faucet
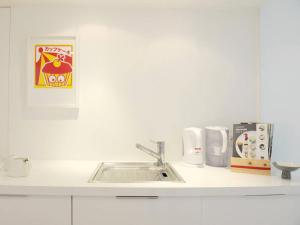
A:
(159, 154)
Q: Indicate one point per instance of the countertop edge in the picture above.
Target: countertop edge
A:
(147, 191)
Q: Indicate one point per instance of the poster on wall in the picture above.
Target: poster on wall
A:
(52, 78)
(53, 65)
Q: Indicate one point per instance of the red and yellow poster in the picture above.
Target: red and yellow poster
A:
(53, 66)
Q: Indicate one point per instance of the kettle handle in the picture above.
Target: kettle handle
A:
(199, 137)
(225, 142)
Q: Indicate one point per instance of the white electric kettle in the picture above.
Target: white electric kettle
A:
(217, 146)
(193, 146)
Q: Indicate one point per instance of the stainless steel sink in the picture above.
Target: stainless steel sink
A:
(130, 172)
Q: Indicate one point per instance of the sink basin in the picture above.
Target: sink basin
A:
(130, 172)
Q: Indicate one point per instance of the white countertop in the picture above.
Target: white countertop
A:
(71, 178)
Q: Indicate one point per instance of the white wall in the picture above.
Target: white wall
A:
(143, 74)
(4, 70)
(280, 49)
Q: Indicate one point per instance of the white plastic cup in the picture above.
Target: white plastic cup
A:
(17, 166)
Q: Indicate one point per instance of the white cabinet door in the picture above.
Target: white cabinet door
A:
(137, 211)
(35, 210)
(251, 210)
(4, 65)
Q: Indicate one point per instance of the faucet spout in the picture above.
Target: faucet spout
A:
(159, 155)
(148, 151)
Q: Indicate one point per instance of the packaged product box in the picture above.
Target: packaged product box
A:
(252, 148)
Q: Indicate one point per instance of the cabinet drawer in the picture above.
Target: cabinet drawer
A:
(249, 210)
(137, 210)
(35, 210)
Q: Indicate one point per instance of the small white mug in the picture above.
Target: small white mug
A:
(17, 166)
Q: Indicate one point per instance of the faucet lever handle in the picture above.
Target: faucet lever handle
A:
(160, 146)
(156, 142)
